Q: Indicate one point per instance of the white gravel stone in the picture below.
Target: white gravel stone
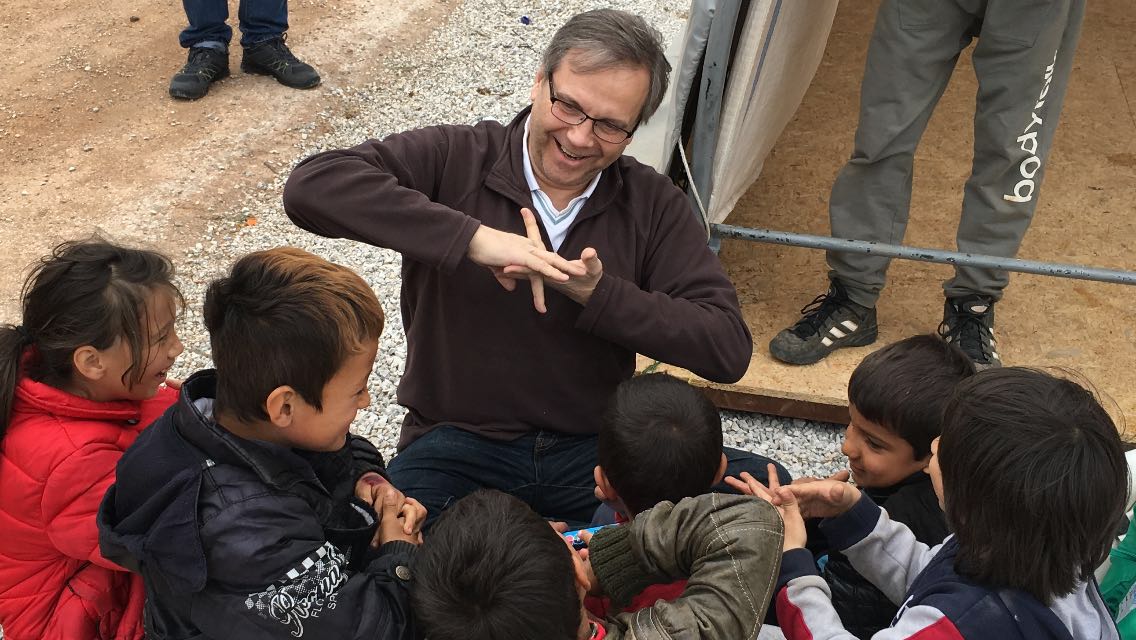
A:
(479, 63)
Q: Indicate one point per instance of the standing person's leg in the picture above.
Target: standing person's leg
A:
(207, 37)
(263, 25)
(207, 24)
(448, 463)
(261, 20)
(911, 56)
(1023, 60)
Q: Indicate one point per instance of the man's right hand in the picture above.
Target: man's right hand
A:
(498, 249)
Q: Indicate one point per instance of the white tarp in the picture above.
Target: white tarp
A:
(780, 47)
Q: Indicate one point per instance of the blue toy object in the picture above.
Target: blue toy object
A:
(576, 537)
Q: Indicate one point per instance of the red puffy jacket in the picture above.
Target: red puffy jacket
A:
(57, 460)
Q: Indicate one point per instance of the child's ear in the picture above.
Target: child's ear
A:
(604, 485)
(721, 470)
(281, 405)
(924, 461)
(88, 363)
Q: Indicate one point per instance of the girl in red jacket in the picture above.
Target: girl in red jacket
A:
(79, 379)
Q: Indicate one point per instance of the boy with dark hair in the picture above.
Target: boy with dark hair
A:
(1032, 476)
(896, 397)
(492, 568)
(661, 439)
(249, 508)
(656, 422)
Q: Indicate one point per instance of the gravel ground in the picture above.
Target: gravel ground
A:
(479, 64)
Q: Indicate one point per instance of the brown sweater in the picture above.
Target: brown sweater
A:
(481, 358)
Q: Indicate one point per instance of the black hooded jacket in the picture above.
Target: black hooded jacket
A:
(245, 539)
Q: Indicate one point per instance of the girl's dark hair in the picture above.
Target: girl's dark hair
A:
(87, 292)
(1034, 480)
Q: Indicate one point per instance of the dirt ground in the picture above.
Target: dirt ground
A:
(90, 140)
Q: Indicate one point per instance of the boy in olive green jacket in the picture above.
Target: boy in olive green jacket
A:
(492, 568)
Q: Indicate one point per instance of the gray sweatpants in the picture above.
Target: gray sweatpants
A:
(1022, 62)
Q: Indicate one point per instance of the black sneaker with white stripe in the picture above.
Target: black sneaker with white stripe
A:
(831, 321)
(969, 323)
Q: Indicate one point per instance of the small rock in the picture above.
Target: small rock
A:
(134, 18)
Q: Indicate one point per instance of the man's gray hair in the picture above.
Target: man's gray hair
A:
(608, 38)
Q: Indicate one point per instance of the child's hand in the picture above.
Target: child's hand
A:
(559, 526)
(825, 498)
(413, 516)
(369, 487)
(593, 587)
(780, 497)
(400, 518)
(174, 383)
(840, 476)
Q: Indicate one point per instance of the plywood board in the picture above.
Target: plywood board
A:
(1086, 215)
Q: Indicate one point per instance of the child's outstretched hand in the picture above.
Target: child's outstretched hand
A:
(840, 476)
(780, 497)
(825, 498)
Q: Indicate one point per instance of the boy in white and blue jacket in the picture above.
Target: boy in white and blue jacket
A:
(1032, 476)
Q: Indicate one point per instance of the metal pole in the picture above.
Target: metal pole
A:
(715, 65)
(926, 255)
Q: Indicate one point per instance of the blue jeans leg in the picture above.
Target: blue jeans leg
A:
(566, 480)
(738, 461)
(552, 473)
(448, 464)
(262, 20)
(206, 22)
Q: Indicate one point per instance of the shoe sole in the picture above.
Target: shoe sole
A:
(264, 72)
(819, 352)
(182, 94)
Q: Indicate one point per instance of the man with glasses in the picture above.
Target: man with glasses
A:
(498, 394)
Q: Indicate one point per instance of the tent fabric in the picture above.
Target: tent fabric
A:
(779, 49)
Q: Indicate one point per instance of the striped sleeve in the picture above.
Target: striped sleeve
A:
(882, 550)
(804, 611)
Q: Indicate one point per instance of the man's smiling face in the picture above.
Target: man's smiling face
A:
(566, 157)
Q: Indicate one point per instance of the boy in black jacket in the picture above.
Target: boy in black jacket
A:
(249, 509)
(896, 397)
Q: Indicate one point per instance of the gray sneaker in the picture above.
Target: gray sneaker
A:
(969, 323)
(829, 322)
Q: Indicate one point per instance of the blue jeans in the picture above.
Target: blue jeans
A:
(259, 20)
(552, 472)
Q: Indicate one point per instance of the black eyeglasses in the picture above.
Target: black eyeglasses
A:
(571, 114)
